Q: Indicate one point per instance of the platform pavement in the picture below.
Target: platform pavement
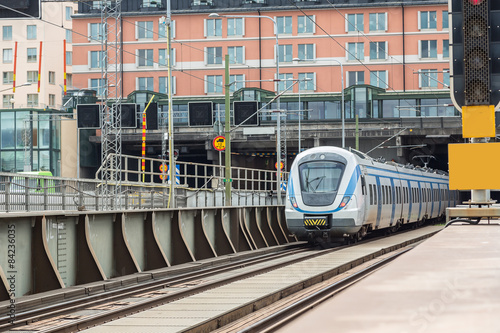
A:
(449, 283)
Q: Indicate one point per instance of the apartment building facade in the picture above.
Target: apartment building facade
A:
(399, 47)
(391, 59)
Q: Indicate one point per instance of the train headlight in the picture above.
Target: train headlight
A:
(344, 201)
(294, 202)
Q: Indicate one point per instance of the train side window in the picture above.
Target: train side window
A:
(375, 194)
(363, 185)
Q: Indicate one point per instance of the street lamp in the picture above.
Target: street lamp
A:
(278, 118)
(21, 85)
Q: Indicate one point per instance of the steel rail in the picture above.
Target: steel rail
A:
(119, 293)
(286, 315)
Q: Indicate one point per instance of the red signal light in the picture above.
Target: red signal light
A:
(476, 2)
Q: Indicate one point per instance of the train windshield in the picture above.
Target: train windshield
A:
(320, 176)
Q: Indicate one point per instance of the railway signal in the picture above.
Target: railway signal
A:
(475, 90)
(475, 52)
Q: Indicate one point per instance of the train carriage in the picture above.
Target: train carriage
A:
(336, 193)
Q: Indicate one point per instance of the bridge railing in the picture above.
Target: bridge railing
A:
(197, 185)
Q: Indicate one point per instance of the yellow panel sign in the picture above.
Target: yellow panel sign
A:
(474, 166)
(478, 121)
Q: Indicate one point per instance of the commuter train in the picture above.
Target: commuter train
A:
(334, 193)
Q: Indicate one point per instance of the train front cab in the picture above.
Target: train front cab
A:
(327, 206)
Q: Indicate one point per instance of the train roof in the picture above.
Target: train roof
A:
(362, 156)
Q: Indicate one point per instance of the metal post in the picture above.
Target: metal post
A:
(227, 130)
(300, 115)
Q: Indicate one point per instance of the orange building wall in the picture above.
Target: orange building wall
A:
(189, 43)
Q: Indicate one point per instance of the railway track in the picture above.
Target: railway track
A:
(100, 308)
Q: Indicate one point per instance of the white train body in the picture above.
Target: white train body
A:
(334, 193)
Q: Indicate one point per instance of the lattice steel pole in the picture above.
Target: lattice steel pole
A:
(110, 108)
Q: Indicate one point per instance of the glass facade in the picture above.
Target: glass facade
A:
(32, 129)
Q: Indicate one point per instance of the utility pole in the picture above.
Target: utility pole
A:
(227, 134)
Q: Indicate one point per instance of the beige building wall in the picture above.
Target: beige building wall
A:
(55, 27)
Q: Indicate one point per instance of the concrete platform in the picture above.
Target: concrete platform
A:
(449, 283)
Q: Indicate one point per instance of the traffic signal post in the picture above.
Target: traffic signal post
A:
(475, 91)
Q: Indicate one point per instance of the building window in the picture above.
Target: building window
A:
(96, 32)
(31, 54)
(285, 53)
(356, 51)
(377, 50)
(96, 59)
(428, 49)
(307, 81)
(214, 55)
(354, 78)
(144, 30)
(354, 23)
(305, 25)
(32, 100)
(213, 84)
(236, 54)
(6, 101)
(379, 79)
(52, 100)
(446, 48)
(32, 76)
(306, 52)
(445, 19)
(7, 32)
(162, 57)
(97, 85)
(8, 77)
(213, 28)
(239, 82)
(446, 78)
(145, 58)
(235, 27)
(163, 82)
(7, 56)
(284, 24)
(285, 81)
(145, 83)
(428, 78)
(69, 80)
(31, 32)
(69, 12)
(428, 20)
(69, 36)
(162, 29)
(69, 58)
(378, 21)
(52, 77)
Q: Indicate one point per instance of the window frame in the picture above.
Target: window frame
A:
(357, 50)
(309, 27)
(306, 51)
(358, 22)
(429, 18)
(377, 21)
(31, 32)
(146, 32)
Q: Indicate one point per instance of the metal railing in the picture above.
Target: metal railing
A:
(198, 185)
